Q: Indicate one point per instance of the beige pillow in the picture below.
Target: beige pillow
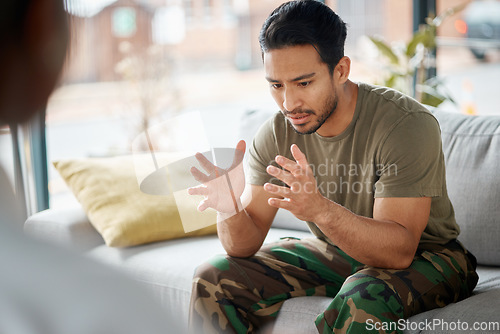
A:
(108, 190)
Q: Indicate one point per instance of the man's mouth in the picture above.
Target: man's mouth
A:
(298, 119)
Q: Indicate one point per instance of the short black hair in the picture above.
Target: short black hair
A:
(304, 22)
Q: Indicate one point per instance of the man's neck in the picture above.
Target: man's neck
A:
(342, 116)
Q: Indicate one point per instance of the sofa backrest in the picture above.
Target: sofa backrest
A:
(471, 146)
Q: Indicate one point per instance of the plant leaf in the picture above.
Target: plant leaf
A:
(417, 39)
(385, 50)
(430, 95)
(438, 85)
(430, 37)
(436, 22)
(391, 81)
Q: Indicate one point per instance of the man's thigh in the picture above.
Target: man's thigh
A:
(248, 292)
(308, 264)
(290, 266)
(450, 276)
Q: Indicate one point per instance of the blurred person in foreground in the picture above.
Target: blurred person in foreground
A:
(363, 166)
(45, 289)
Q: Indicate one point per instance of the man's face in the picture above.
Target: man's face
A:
(302, 86)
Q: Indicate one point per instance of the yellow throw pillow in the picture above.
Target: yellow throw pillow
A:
(108, 190)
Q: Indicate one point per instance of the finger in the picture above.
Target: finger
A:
(200, 190)
(280, 203)
(241, 146)
(219, 172)
(299, 156)
(289, 165)
(280, 174)
(203, 205)
(239, 153)
(205, 163)
(199, 176)
(277, 190)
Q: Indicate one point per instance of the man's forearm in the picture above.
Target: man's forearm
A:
(377, 243)
(239, 234)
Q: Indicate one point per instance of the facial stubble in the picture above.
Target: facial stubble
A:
(328, 110)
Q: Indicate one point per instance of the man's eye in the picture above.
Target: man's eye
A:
(276, 86)
(304, 83)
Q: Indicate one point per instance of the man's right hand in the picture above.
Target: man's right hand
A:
(222, 188)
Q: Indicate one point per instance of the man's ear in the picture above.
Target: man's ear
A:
(342, 70)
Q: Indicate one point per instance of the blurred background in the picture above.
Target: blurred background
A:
(135, 63)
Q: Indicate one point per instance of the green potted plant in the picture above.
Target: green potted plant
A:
(407, 67)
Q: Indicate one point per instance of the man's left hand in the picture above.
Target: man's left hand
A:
(301, 197)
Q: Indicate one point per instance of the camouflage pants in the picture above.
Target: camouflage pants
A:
(244, 295)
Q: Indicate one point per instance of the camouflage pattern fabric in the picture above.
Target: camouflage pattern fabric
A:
(244, 295)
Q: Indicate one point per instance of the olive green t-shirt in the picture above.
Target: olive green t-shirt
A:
(391, 148)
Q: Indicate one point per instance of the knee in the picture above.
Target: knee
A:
(366, 297)
(207, 283)
(369, 290)
(211, 270)
(207, 290)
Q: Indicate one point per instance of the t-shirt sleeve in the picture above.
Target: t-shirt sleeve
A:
(410, 159)
(261, 154)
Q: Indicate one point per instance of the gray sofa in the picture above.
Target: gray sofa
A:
(472, 152)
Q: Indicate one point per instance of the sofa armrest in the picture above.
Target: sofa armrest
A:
(69, 228)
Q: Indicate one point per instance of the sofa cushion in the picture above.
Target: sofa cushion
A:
(68, 227)
(297, 315)
(461, 317)
(489, 279)
(471, 146)
(108, 190)
(167, 267)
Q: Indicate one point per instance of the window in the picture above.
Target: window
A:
(229, 16)
(6, 161)
(188, 10)
(124, 22)
(208, 11)
(468, 57)
(134, 63)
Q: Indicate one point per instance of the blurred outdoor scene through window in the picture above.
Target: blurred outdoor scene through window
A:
(135, 63)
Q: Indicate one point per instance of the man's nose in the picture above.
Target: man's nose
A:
(291, 100)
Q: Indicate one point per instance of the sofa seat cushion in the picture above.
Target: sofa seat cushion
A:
(489, 279)
(480, 309)
(167, 267)
(67, 227)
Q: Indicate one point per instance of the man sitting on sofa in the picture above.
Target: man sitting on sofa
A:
(363, 166)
